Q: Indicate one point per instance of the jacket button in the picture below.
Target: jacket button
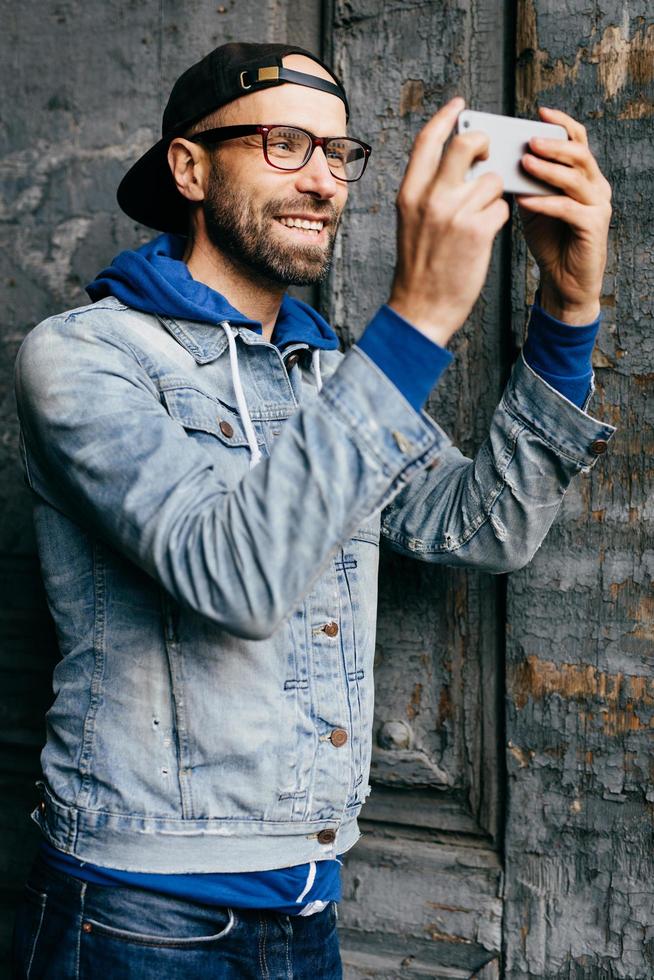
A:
(326, 836)
(338, 737)
(226, 428)
(598, 447)
(292, 360)
(331, 629)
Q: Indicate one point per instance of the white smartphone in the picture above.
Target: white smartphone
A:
(509, 139)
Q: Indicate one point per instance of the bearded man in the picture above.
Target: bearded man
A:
(211, 477)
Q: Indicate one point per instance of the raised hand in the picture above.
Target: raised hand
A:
(567, 233)
(446, 227)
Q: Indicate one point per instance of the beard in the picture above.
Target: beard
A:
(246, 235)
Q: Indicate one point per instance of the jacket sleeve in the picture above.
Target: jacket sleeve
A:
(99, 445)
(493, 512)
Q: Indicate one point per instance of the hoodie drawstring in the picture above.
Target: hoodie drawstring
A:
(243, 411)
(315, 367)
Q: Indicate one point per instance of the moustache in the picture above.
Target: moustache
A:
(317, 209)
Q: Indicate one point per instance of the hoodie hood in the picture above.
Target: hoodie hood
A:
(154, 279)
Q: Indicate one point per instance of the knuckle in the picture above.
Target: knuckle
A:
(434, 212)
(406, 201)
(494, 181)
(475, 232)
(470, 140)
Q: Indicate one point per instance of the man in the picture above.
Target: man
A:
(211, 476)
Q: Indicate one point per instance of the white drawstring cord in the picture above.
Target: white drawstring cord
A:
(315, 367)
(311, 877)
(255, 452)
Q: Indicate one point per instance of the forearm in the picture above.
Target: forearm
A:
(493, 512)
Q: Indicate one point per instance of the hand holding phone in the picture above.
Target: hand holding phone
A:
(446, 228)
(509, 141)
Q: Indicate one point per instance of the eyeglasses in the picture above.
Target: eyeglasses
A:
(290, 148)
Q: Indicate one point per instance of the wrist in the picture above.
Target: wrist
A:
(434, 327)
(576, 314)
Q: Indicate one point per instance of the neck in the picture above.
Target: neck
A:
(255, 297)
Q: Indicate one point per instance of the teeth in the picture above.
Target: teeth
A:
(302, 223)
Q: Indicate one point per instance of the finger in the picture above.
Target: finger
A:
(482, 191)
(568, 152)
(496, 215)
(428, 148)
(574, 129)
(563, 208)
(460, 155)
(567, 179)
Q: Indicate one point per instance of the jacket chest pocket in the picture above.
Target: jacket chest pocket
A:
(213, 424)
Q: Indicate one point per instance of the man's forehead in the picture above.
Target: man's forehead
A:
(300, 62)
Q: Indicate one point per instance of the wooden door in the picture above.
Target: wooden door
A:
(423, 888)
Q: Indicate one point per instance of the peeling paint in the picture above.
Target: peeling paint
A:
(412, 95)
(619, 59)
(444, 937)
(521, 757)
(413, 708)
(538, 679)
(638, 109)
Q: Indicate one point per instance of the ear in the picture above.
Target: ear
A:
(189, 165)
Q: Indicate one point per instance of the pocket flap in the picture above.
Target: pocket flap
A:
(196, 410)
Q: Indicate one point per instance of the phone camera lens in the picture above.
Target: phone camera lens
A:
(466, 124)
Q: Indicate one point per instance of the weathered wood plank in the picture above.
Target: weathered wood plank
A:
(465, 900)
(437, 649)
(439, 657)
(580, 706)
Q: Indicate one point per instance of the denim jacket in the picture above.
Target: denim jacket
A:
(208, 526)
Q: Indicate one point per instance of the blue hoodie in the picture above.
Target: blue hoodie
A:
(155, 279)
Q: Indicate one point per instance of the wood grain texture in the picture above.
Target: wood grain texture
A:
(439, 650)
(580, 630)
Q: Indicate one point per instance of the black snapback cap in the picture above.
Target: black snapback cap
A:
(147, 192)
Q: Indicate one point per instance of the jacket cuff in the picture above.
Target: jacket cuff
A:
(412, 361)
(561, 353)
(554, 418)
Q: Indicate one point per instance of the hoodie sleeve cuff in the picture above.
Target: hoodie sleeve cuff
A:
(409, 359)
(560, 353)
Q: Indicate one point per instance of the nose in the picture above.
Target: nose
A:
(316, 178)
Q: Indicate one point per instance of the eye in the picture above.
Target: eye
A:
(283, 142)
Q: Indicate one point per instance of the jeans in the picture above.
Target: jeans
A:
(67, 929)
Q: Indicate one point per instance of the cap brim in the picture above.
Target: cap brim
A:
(147, 192)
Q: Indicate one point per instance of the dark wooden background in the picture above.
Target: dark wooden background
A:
(509, 832)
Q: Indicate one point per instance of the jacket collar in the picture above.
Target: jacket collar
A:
(204, 342)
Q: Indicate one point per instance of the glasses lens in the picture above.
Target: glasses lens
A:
(288, 148)
(346, 158)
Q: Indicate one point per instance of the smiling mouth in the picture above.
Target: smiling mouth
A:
(311, 227)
